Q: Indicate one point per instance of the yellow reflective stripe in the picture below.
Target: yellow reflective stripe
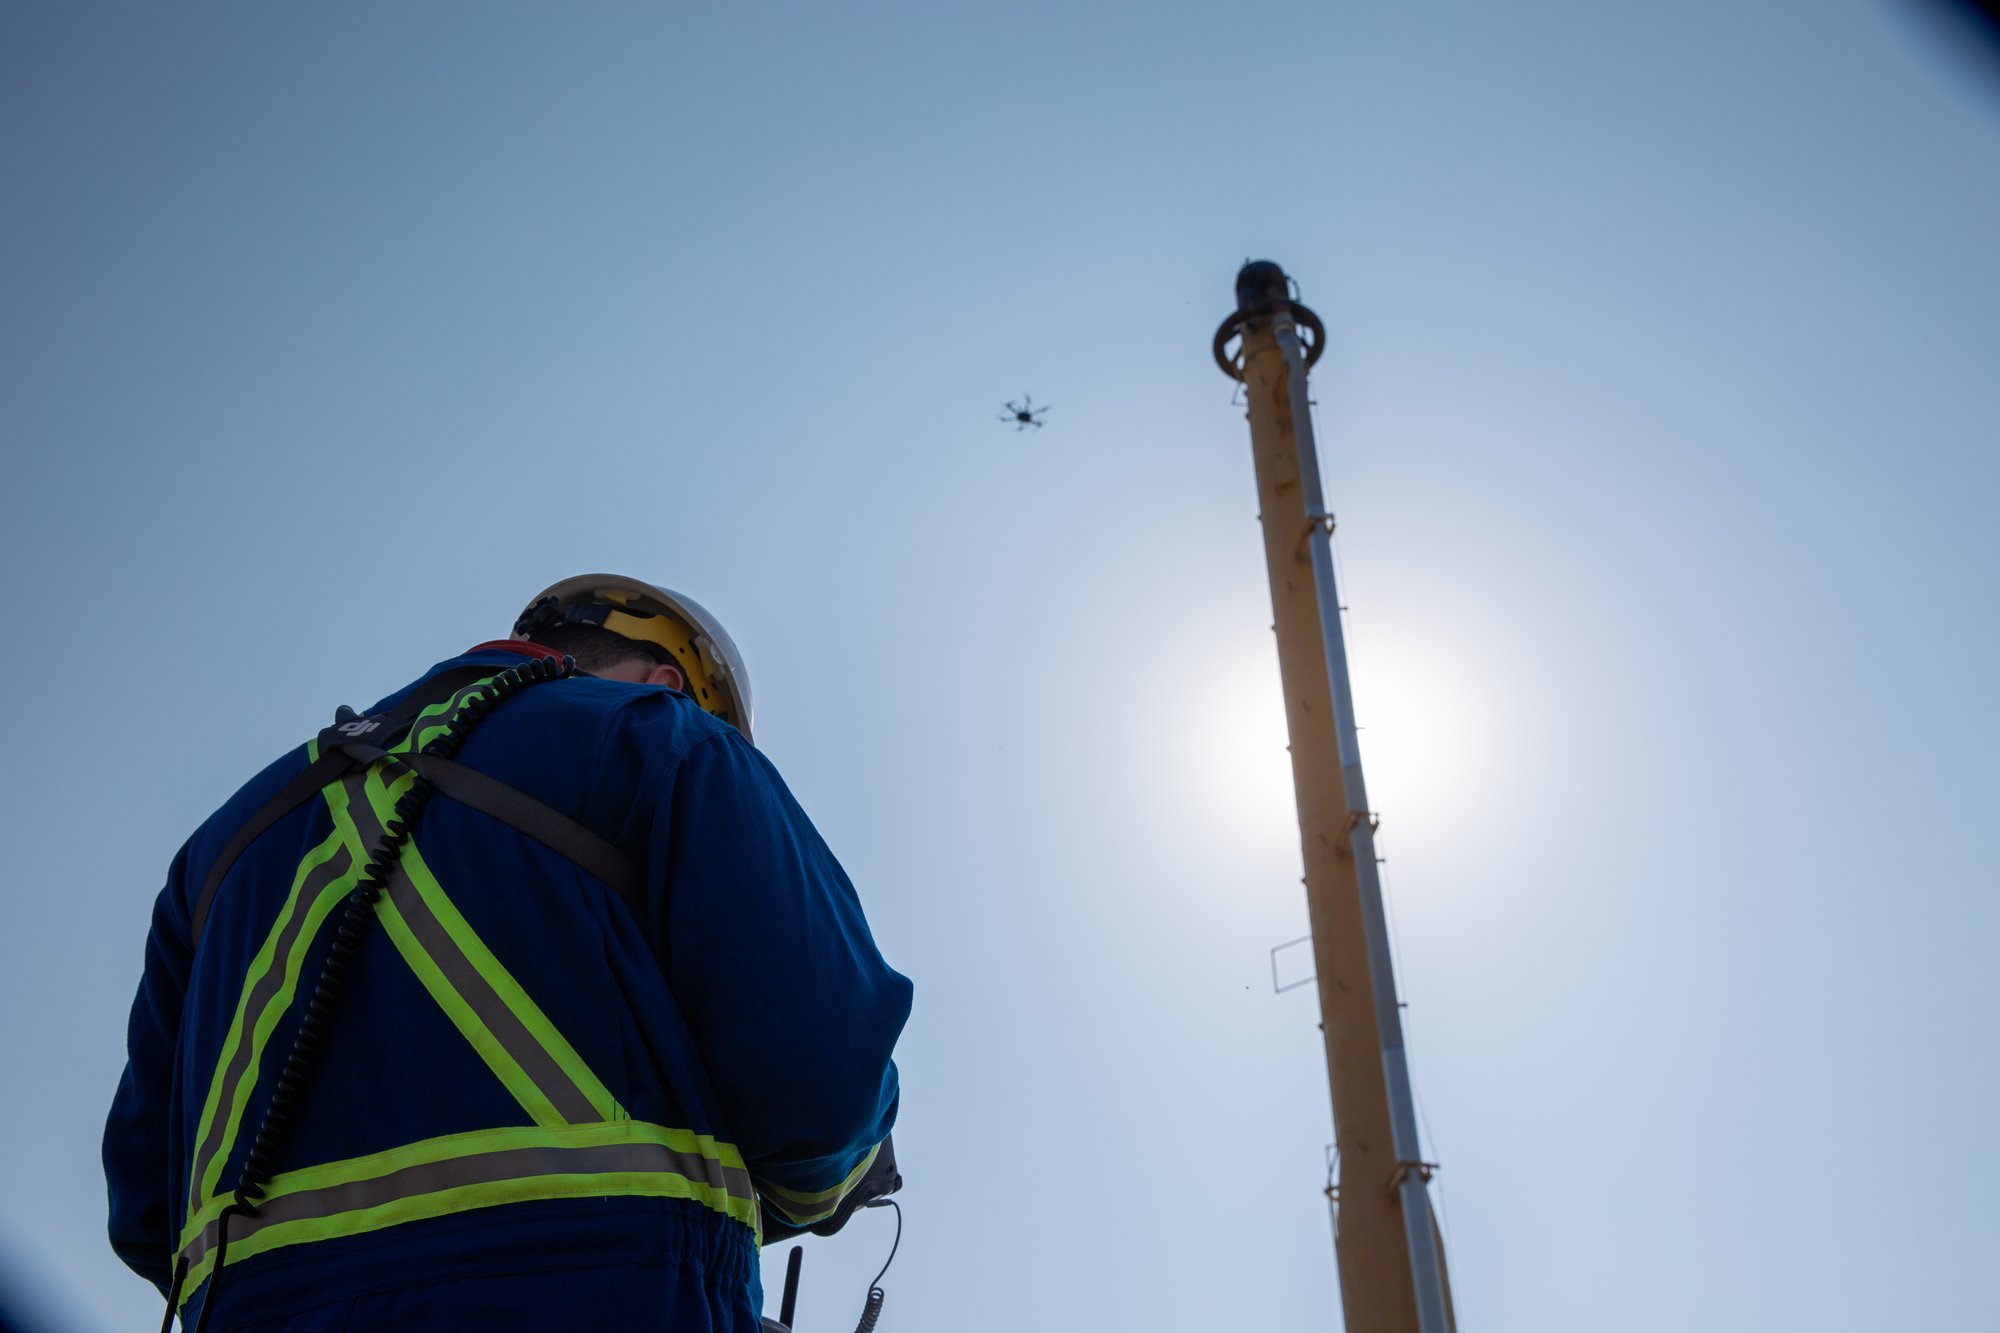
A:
(468, 1143)
(237, 1068)
(434, 954)
(531, 1058)
(525, 1011)
(803, 1209)
(465, 1198)
(437, 715)
(285, 946)
(420, 735)
(476, 1033)
(460, 1172)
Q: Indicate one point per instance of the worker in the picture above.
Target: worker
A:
(528, 999)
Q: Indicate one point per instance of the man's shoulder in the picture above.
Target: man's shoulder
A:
(215, 832)
(662, 725)
(586, 716)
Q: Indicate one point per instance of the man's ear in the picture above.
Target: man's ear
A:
(669, 676)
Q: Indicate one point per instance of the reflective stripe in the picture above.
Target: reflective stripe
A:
(489, 1008)
(323, 877)
(430, 723)
(801, 1209)
(265, 999)
(461, 1172)
(548, 1042)
(584, 1144)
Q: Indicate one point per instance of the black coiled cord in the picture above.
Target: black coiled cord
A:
(872, 1310)
(358, 916)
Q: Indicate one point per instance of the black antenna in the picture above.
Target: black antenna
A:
(791, 1301)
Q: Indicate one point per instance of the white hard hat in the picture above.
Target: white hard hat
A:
(648, 613)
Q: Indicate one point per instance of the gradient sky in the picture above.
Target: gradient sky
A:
(1660, 415)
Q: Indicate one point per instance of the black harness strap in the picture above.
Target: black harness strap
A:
(343, 749)
(545, 824)
(327, 768)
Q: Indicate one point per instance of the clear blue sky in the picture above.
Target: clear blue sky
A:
(1660, 414)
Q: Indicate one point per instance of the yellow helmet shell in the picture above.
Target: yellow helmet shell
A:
(648, 613)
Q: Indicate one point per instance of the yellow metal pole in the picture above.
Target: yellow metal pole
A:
(1391, 1260)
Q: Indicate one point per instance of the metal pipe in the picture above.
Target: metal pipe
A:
(1392, 1268)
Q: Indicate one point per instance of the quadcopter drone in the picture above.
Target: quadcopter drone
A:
(1023, 414)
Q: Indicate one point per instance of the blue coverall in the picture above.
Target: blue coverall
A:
(534, 1106)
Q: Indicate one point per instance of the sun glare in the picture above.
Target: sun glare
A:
(1429, 726)
(1229, 759)
(1428, 737)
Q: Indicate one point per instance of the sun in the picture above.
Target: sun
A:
(1429, 735)
(1227, 758)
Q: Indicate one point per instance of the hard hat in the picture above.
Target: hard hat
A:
(647, 613)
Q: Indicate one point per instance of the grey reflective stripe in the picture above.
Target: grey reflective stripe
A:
(509, 1164)
(534, 1059)
(261, 994)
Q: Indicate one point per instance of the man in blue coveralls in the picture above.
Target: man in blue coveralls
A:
(529, 999)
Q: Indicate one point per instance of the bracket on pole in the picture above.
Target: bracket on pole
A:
(1278, 988)
(1343, 844)
(1314, 523)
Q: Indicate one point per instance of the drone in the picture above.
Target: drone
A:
(1023, 414)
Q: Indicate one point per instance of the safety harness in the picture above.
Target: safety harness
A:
(354, 742)
(376, 773)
